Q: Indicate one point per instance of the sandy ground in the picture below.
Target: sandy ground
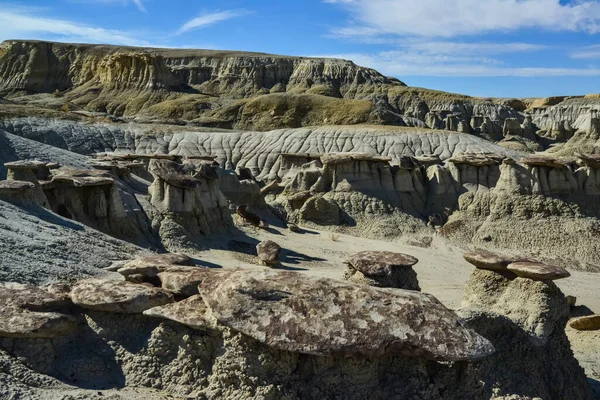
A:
(441, 270)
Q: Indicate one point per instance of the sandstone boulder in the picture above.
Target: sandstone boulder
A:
(268, 252)
(183, 281)
(25, 324)
(586, 323)
(487, 260)
(117, 296)
(189, 312)
(538, 271)
(30, 297)
(383, 269)
(320, 316)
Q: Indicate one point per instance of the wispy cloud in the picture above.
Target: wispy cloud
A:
(443, 18)
(138, 3)
(587, 53)
(210, 19)
(27, 22)
(402, 63)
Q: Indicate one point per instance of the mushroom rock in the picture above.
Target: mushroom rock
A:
(586, 323)
(538, 307)
(433, 121)
(90, 197)
(185, 196)
(18, 192)
(30, 171)
(293, 312)
(268, 252)
(538, 271)
(512, 127)
(487, 260)
(291, 163)
(189, 312)
(528, 127)
(382, 269)
(451, 123)
(491, 130)
(117, 296)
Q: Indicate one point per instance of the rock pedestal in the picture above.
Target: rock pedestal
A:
(382, 269)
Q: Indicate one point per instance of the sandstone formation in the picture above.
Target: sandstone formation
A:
(18, 192)
(30, 171)
(238, 317)
(538, 271)
(268, 252)
(245, 301)
(117, 296)
(187, 203)
(537, 306)
(489, 260)
(383, 269)
(189, 312)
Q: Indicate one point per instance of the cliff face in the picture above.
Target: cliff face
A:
(260, 92)
(33, 66)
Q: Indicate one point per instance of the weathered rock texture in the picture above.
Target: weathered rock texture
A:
(183, 349)
(383, 269)
(186, 202)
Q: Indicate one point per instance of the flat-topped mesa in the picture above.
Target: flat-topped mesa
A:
(371, 322)
(522, 290)
(90, 197)
(189, 197)
(382, 269)
(18, 192)
(30, 171)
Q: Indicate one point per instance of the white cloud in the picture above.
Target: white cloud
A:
(210, 19)
(443, 18)
(22, 22)
(400, 63)
(587, 53)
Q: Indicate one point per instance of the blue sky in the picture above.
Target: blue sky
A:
(502, 48)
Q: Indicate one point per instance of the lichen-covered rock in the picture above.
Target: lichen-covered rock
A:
(586, 323)
(324, 316)
(147, 267)
(538, 271)
(118, 296)
(31, 297)
(183, 281)
(189, 312)
(22, 323)
(268, 252)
